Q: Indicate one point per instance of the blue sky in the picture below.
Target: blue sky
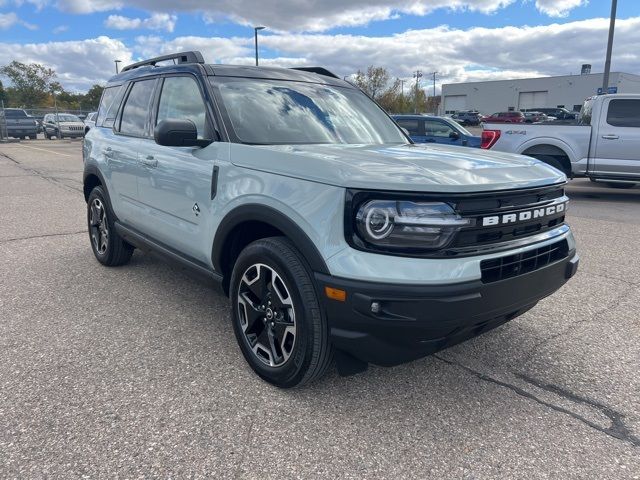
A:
(400, 35)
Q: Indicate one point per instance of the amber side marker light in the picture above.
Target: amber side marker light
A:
(335, 294)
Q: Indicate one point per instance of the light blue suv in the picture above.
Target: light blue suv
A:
(333, 234)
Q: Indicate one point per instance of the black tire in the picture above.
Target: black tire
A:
(23, 138)
(620, 186)
(554, 162)
(33, 137)
(311, 351)
(114, 251)
(46, 135)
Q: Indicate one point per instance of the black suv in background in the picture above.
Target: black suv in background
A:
(467, 118)
(558, 113)
(19, 124)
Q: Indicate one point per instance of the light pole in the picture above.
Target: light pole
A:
(607, 62)
(117, 62)
(417, 76)
(255, 34)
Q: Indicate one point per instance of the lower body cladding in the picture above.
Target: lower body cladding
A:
(389, 324)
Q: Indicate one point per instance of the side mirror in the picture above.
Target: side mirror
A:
(174, 132)
(454, 135)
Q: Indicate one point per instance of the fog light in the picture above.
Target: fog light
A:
(375, 307)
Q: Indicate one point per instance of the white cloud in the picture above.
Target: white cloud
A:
(558, 8)
(157, 21)
(310, 16)
(459, 55)
(8, 20)
(60, 29)
(79, 64)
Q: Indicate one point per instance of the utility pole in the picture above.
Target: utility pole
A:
(434, 83)
(401, 87)
(117, 62)
(417, 76)
(607, 62)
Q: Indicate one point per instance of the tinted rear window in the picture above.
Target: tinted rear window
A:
(109, 103)
(136, 109)
(15, 113)
(624, 113)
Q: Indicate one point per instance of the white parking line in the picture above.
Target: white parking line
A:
(48, 151)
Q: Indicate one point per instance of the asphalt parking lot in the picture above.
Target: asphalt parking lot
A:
(134, 371)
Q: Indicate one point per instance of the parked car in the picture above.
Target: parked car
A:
(535, 117)
(62, 125)
(333, 234)
(427, 129)
(505, 117)
(90, 121)
(558, 113)
(604, 145)
(19, 124)
(467, 118)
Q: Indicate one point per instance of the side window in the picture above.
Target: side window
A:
(624, 113)
(109, 103)
(412, 126)
(437, 129)
(136, 109)
(181, 99)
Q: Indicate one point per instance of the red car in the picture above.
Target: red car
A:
(505, 117)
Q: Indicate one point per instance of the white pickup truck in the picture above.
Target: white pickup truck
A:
(604, 143)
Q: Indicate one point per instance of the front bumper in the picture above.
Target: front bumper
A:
(414, 321)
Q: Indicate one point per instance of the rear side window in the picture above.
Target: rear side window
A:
(412, 126)
(181, 100)
(109, 103)
(136, 109)
(624, 113)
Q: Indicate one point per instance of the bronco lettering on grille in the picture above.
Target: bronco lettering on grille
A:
(523, 216)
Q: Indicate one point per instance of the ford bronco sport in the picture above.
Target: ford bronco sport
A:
(333, 234)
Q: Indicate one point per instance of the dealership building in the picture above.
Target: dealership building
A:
(568, 91)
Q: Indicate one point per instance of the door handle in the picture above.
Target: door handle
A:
(150, 161)
(610, 137)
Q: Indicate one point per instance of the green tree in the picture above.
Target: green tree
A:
(91, 99)
(3, 94)
(31, 83)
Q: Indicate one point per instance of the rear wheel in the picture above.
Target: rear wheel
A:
(33, 137)
(108, 247)
(276, 314)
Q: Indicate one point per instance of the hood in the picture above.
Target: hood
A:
(417, 168)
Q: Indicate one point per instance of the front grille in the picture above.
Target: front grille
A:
(499, 204)
(510, 266)
(73, 128)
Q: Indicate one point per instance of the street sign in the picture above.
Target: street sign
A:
(610, 90)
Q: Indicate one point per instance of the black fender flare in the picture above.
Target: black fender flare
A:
(274, 218)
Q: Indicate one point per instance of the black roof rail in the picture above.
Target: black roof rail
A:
(318, 70)
(182, 57)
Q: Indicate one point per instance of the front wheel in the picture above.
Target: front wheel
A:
(276, 315)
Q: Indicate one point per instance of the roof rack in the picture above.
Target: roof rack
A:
(318, 70)
(183, 57)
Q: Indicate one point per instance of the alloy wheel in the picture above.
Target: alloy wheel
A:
(99, 227)
(266, 314)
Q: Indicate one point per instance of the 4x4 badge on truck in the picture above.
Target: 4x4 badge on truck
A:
(196, 209)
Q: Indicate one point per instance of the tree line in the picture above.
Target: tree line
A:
(392, 95)
(35, 86)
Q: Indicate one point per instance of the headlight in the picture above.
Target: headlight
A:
(405, 225)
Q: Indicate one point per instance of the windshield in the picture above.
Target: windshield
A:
(64, 117)
(269, 112)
